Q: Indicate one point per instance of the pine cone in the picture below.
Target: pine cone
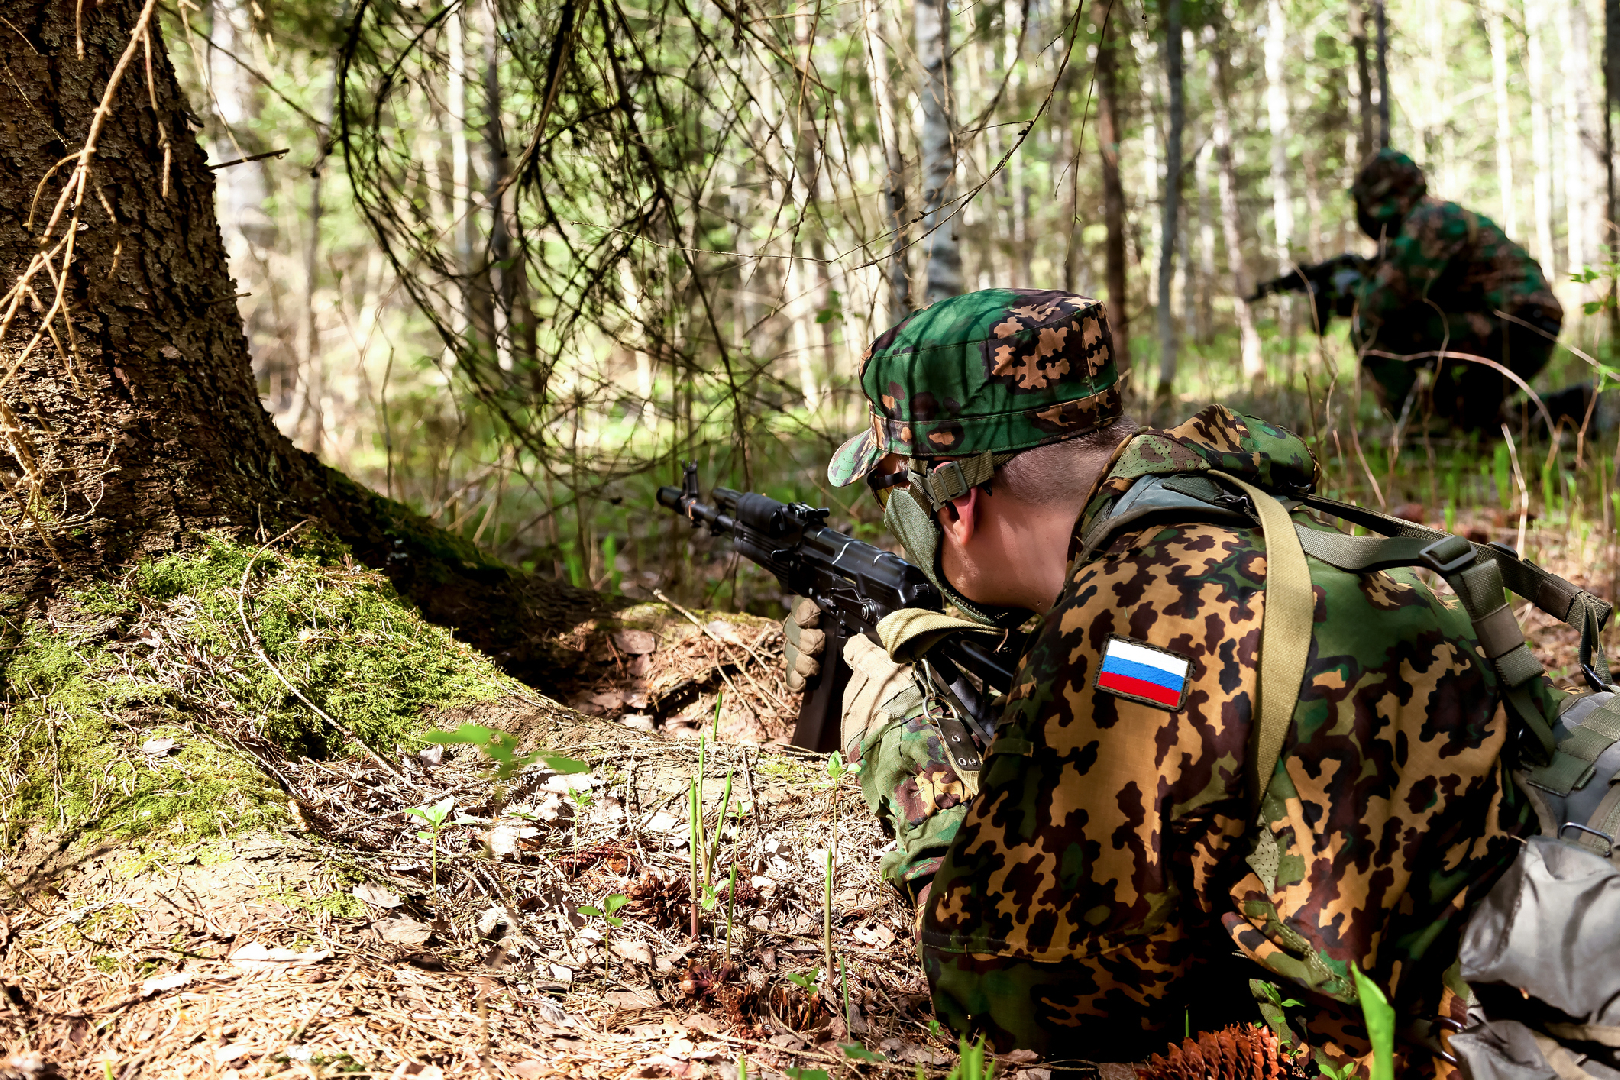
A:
(1238, 1052)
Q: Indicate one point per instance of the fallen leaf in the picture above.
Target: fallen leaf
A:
(376, 895)
(563, 783)
(664, 821)
(409, 1069)
(634, 642)
(763, 884)
(159, 983)
(529, 1070)
(403, 930)
(631, 999)
(503, 839)
(157, 747)
(681, 1047)
(226, 1054)
(257, 956)
(724, 631)
(638, 952)
(701, 1022)
(1020, 1056)
(490, 918)
(561, 973)
(431, 755)
(880, 936)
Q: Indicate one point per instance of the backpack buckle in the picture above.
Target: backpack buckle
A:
(1605, 837)
(1448, 554)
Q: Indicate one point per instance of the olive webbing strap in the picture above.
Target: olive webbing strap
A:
(1605, 822)
(1285, 634)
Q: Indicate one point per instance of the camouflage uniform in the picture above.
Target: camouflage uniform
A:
(1108, 869)
(1048, 355)
(1444, 274)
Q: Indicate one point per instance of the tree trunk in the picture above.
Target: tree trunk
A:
(1282, 202)
(1174, 122)
(1108, 136)
(244, 189)
(1540, 137)
(938, 149)
(147, 430)
(1611, 101)
(1496, 29)
(1361, 76)
(1381, 24)
(1254, 363)
(1580, 132)
(894, 184)
(1206, 243)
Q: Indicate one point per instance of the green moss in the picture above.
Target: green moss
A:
(163, 653)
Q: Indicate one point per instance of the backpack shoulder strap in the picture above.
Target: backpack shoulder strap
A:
(1285, 634)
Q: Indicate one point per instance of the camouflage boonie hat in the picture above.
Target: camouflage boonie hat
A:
(996, 370)
(1389, 185)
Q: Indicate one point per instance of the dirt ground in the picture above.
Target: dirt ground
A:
(360, 944)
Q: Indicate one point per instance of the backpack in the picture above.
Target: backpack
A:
(1542, 951)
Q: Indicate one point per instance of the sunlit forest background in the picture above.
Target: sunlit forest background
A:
(512, 262)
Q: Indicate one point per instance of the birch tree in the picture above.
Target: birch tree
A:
(938, 150)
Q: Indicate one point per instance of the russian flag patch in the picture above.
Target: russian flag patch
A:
(1145, 673)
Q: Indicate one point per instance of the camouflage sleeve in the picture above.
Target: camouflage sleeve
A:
(1104, 823)
(915, 793)
(1432, 235)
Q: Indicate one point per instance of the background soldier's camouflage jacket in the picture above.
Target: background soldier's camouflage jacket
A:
(1445, 272)
(1465, 265)
(1109, 855)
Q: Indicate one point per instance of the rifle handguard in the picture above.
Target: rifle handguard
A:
(908, 633)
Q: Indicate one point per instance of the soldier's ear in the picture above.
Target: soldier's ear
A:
(960, 517)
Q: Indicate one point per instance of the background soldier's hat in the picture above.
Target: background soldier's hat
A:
(992, 371)
(1389, 185)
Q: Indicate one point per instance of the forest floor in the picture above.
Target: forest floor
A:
(546, 930)
(546, 926)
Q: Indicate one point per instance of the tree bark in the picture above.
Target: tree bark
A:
(1580, 132)
(1496, 29)
(1540, 137)
(1381, 24)
(144, 429)
(1175, 121)
(894, 184)
(1611, 100)
(1362, 76)
(1108, 136)
(938, 151)
(1220, 76)
(1282, 202)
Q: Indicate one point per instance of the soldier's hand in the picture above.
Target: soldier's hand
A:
(802, 644)
(879, 689)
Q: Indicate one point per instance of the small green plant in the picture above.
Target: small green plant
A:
(731, 910)
(972, 1063)
(610, 904)
(437, 817)
(857, 1052)
(502, 749)
(804, 982)
(1380, 1018)
(796, 1073)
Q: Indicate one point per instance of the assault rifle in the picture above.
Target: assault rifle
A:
(855, 585)
(1332, 285)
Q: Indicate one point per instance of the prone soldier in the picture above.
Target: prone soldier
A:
(1228, 776)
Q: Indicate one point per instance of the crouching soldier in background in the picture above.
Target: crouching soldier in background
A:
(1446, 280)
(1230, 775)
